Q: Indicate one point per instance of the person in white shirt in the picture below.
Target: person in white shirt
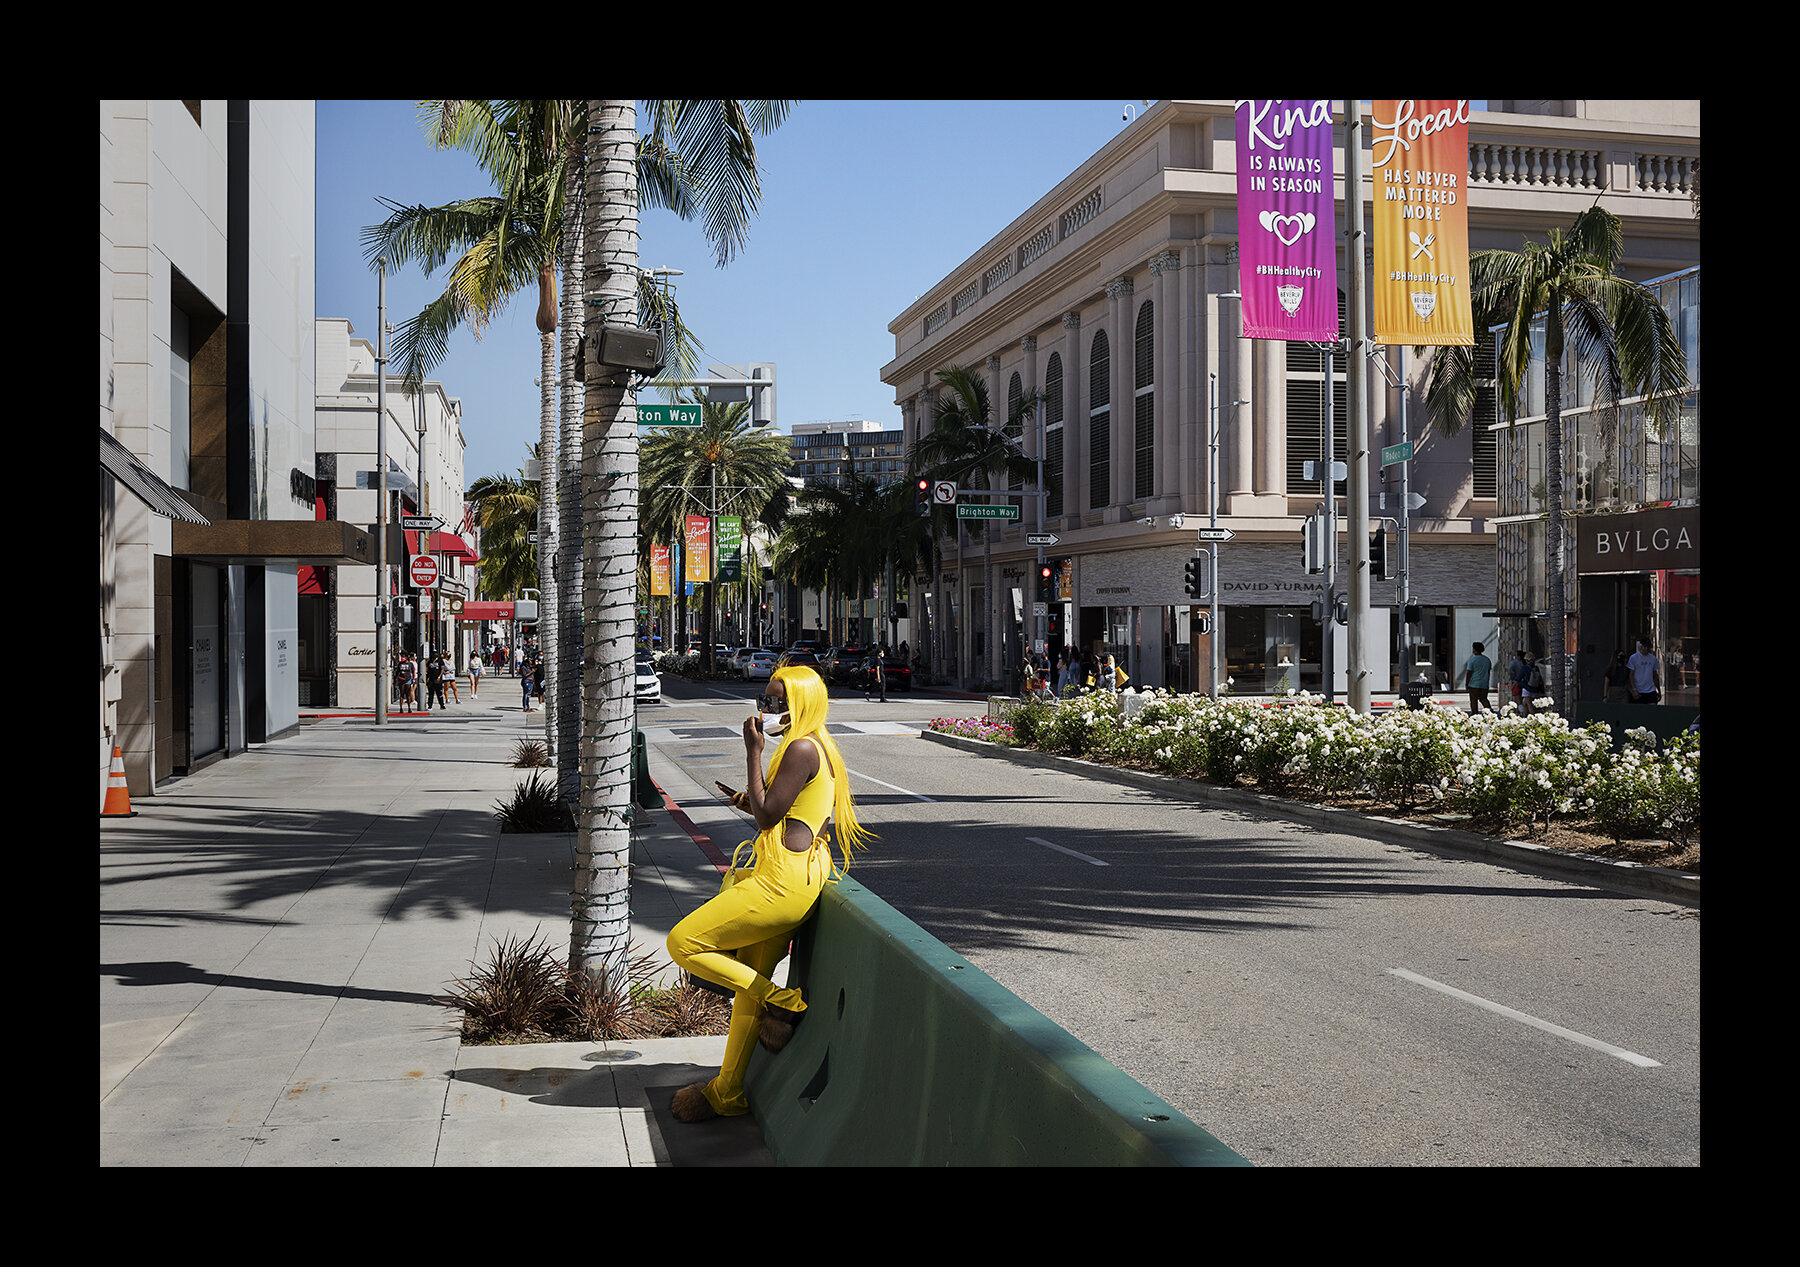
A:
(1646, 675)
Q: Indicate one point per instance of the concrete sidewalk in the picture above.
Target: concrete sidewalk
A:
(273, 928)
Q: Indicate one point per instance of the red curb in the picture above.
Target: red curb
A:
(686, 824)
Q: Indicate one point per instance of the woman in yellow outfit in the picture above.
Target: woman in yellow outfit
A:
(737, 938)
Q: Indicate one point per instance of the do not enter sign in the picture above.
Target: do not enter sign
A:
(424, 571)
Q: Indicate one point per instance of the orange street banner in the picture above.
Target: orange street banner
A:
(659, 571)
(1420, 159)
(699, 548)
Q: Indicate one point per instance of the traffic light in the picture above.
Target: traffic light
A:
(1046, 590)
(1415, 614)
(922, 497)
(1378, 554)
(1195, 572)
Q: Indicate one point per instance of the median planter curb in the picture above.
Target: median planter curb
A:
(1627, 877)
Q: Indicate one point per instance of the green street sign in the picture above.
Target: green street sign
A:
(1396, 453)
(987, 512)
(668, 415)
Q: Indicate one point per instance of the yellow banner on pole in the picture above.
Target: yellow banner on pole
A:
(1420, 160)
(659, 571)
(698, 538)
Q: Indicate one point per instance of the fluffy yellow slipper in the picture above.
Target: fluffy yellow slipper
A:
(691, 1105)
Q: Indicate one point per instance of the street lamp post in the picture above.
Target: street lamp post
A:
(382, 583)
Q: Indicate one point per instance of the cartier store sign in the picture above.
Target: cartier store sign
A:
(1645, 541)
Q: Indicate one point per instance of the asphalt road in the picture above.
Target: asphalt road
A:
(1310, 998)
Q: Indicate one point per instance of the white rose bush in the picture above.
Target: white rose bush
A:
(1518, 770)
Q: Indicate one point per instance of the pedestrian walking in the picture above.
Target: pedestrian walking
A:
(1646, 674)
(736, 939)
(1477, 673)
(434, 682)
(524, 688)
(409, 681)
(519, 661)
(450, 678)
(1518, 673)
(877, 679)
(475, 672)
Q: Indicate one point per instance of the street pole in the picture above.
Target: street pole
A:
(382, 592)
(1327, 661)
(1041, 622)
(1356, 386)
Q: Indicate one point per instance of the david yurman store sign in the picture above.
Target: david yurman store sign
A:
(1646, 541)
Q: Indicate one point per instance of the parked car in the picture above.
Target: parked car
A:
(759, 664)
(649, 686)
(899, 676)
(797, 657)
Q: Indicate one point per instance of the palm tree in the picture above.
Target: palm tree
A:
(707, 151)
(963, 442)
(506, 508)
(534, 152)
(1618, 331)
(725, 465)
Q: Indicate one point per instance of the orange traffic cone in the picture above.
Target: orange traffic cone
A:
(118, 796)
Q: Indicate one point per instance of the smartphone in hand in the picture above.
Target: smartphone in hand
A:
(730, 793)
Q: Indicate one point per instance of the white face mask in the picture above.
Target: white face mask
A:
(771, 723)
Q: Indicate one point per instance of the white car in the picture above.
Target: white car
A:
(649, 686)
(760, 664)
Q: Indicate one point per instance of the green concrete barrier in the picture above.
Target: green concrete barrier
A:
(912, 1056)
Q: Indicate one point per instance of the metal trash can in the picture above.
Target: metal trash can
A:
(1414, 693)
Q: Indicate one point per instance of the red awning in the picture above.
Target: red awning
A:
(451, 544)
(486, 611)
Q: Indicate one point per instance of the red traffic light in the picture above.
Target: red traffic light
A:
(1044, 572)
(924, 485)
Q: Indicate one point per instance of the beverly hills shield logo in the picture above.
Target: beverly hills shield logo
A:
(1289, 296)
(1424, 303)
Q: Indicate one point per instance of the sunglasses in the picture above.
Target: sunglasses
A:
(770, 704)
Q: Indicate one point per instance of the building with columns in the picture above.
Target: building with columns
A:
(1105, 311)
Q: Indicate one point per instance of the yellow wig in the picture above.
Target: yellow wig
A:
(807, 702)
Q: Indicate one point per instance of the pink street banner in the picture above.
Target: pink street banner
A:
(1287, 222)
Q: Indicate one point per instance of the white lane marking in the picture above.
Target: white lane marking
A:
(859, 774)
(1037, 840)
(1630, 1057)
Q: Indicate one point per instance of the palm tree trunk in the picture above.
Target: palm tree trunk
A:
(548, 466)
(600, 926)
(568, 581)
(1553, 478)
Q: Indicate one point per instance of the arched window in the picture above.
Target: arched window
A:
(1099, 424)
(1015, 425)
(1053, 435)
(1144, 403)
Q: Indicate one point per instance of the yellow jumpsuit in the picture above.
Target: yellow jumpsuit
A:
(736, 939)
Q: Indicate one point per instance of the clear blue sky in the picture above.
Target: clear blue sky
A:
(866, 204)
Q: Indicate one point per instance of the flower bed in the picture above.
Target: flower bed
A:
(1564, 785)
(975, 728)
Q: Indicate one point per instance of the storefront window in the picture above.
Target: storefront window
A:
(1678, 611)
(1688, 437)
(1271, 649)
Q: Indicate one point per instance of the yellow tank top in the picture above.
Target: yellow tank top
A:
(814, 804)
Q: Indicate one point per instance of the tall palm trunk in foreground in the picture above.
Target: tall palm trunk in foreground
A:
(600, 927)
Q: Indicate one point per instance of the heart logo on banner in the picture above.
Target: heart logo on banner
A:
(1301, 222)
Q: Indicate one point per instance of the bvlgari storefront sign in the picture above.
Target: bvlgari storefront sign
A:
(1644, 541)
